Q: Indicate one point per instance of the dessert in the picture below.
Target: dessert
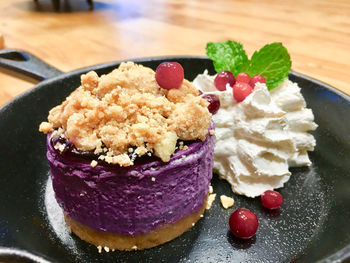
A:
(262, 124)
(130, 162)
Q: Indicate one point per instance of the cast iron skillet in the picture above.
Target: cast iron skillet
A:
(312, 225)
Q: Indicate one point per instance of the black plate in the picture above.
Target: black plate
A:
(313, 223)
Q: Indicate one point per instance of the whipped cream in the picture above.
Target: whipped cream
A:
(257, 140)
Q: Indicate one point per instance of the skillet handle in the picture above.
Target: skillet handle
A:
(27, 64)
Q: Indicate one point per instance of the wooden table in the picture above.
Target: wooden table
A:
(316, 32)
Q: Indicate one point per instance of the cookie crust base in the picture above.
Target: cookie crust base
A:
(151, 239)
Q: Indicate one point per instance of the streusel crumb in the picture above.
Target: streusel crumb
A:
(93, 163)
(45, 127)
(99, 249)
(126, 108)
(226, 201)
(211, 199)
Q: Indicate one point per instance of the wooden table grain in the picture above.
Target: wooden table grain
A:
(316, 32)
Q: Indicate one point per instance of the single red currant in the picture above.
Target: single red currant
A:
(214, 103)
(243, 77)
(169, 75)
(255, 79)
(222, 78)
(241, 91)
(271, 199)
(243, 223)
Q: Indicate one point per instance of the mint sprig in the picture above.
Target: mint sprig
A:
(272, 61)
(228, 55)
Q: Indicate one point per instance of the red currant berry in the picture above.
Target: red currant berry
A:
(271, 199)
(255, 79)
(169, 75)
(214, 103)
(243, 77)
(222, 78)
(243, 223)
(241, 91)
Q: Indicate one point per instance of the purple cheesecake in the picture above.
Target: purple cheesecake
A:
(130, 161)
(132, 201)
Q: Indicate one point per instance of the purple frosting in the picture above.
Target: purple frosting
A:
(137, 199)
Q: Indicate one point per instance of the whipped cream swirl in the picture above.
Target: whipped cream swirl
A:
(258, 139)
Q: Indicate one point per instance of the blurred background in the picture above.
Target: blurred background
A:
(71, 35)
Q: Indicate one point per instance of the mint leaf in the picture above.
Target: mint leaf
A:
(272, 62)
(228, 55)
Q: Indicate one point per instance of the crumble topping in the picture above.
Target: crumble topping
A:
(126, 111)
(93, 163)
(45, 127)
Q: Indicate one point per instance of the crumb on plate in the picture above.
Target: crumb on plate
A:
(226, 201)
(211, 199)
